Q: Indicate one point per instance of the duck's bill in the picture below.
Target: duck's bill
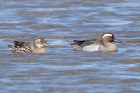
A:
(118, 41)
(46, 45)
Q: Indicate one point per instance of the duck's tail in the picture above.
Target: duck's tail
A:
(75, 47)
(11, 47)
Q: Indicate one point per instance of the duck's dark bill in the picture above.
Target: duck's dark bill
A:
(115, 40)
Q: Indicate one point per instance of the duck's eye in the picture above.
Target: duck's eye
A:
(42, 41)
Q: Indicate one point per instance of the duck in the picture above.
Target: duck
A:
(36, 47)
(96, 45)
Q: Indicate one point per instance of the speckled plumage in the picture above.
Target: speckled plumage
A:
(23, 47)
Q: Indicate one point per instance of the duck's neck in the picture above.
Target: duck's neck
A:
(108, 47)
(40, 50)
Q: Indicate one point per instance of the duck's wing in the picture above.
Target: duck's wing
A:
(21, 47)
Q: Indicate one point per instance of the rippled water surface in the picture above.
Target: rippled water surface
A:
(63, 70)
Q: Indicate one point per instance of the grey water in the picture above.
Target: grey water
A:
(63, 70)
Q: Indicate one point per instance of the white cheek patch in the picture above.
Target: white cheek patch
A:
(106, 35)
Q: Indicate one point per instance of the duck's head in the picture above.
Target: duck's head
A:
(109, 37)
(40, 43)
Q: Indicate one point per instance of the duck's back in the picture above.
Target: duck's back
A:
(21, 47)
(86, 45)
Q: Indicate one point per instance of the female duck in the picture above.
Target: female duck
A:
(36, 47)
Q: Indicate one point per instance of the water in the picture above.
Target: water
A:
(63, 70)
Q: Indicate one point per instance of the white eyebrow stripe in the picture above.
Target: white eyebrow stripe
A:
(106, 35)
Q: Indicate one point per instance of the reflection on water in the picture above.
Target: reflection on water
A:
(63, 70)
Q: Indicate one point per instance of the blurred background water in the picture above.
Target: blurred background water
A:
(63, 70)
